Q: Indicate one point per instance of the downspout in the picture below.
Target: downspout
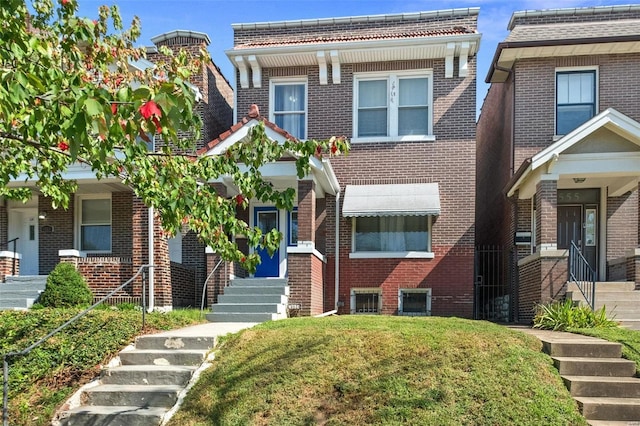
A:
(151, 256)
(337, 250)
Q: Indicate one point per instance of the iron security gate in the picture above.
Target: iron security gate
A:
(494, 294)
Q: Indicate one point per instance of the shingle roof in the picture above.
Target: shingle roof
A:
(329, 38)
(254, 114)
(582, 30)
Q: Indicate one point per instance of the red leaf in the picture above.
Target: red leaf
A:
(150, 109)
(63, 146)
(114, 109)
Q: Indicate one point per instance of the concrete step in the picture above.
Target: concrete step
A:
(258, 282)
(583, 348)
(19, 288)
(170, 343)
(631, 324)
(581, 366)
(16, 303)
(609, 423)
(611, 409)
(256, 290)
(250, 308)
(616, 296)
(133, 395)
(162, 357)
(242, 317)
(114, 416)
(252, 298)
(594, 386)
(607, 286)
(148, 375)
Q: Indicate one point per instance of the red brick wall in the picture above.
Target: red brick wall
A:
(622, 219)
(8, 266)
(306, 211)
(4, 224)
(184, 288)
(542, 280)
(306, 276)
(604, 15)
(56, 233)
(546, 212)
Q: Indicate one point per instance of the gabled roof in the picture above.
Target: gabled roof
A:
(610, 119)
(321, 169)
(241, 129)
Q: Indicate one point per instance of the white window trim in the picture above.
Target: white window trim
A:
(392, 107)
(429, 254)
(360, 290)
(427, 291)
(278, 81)
(555, 92)
(78, 224)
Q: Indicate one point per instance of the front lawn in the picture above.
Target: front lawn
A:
(357, 370)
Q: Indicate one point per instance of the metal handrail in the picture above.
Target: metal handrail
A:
(204, 287)
(6, 244)
(581, 273)
(5, 358)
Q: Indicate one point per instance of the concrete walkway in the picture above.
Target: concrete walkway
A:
(556, 336)
(209, 329)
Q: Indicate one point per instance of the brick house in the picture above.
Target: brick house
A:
(389, 228)
(558, 149)
(107, 232)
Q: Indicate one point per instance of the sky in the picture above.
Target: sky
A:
(214, 17)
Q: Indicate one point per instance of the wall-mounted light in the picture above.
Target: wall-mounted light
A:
(42, 215)
(579, 180)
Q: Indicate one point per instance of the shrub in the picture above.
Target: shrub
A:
(561, 316)
(66, 288)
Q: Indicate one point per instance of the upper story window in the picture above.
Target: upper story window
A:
(289, 106)
(575, 99)
(395, 106)
(94, 233)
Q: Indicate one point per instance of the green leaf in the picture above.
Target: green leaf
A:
(93, 107)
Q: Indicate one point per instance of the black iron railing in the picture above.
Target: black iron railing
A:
(582, 274)
(13, 355)
(6, 245)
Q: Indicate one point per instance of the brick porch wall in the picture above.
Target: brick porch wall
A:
(543, 278)
(8, 266)
(306, 277)
(184, 288)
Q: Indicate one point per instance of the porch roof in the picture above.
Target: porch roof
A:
(618, 164)
(416, 199)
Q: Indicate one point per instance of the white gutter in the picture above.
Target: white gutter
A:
(151, 256)
(337, 262)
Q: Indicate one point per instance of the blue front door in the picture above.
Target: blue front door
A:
(266, 218)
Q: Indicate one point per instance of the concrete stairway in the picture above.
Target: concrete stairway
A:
(602, 383)
(144, 385)
(252, 300)
(21, 292)
(621, 299)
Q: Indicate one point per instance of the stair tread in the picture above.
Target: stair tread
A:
(166, 351)
(152, 367)
(135, 388)
(590, 359)
(602, 379)
(607, 400)
(118, 409)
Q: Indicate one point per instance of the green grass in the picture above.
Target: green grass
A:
(42, 380)
(630, 340)
(357, 370)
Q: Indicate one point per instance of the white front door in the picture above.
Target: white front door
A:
(23, 224)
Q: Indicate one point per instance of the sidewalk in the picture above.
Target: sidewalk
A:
(556, 336)
(210, 329)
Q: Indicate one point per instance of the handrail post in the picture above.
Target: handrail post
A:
(13, 268)
(144, 299)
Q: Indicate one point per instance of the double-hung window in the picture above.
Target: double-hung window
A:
(575, 99)
(94, 225)
(392, 234)
(289, 106)
(394, 106)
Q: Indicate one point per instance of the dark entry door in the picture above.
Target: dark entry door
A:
(579, 223)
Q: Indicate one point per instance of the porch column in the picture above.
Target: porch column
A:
(220, 279)
(305, 264)
(633, 255)
(547, 215)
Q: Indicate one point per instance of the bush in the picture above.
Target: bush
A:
(561, 316)
(66, 288)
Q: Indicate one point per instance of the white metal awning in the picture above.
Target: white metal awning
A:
(416, 199)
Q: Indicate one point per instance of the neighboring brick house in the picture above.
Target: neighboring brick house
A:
(105, 231)
(401, 204)
(559, 148)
